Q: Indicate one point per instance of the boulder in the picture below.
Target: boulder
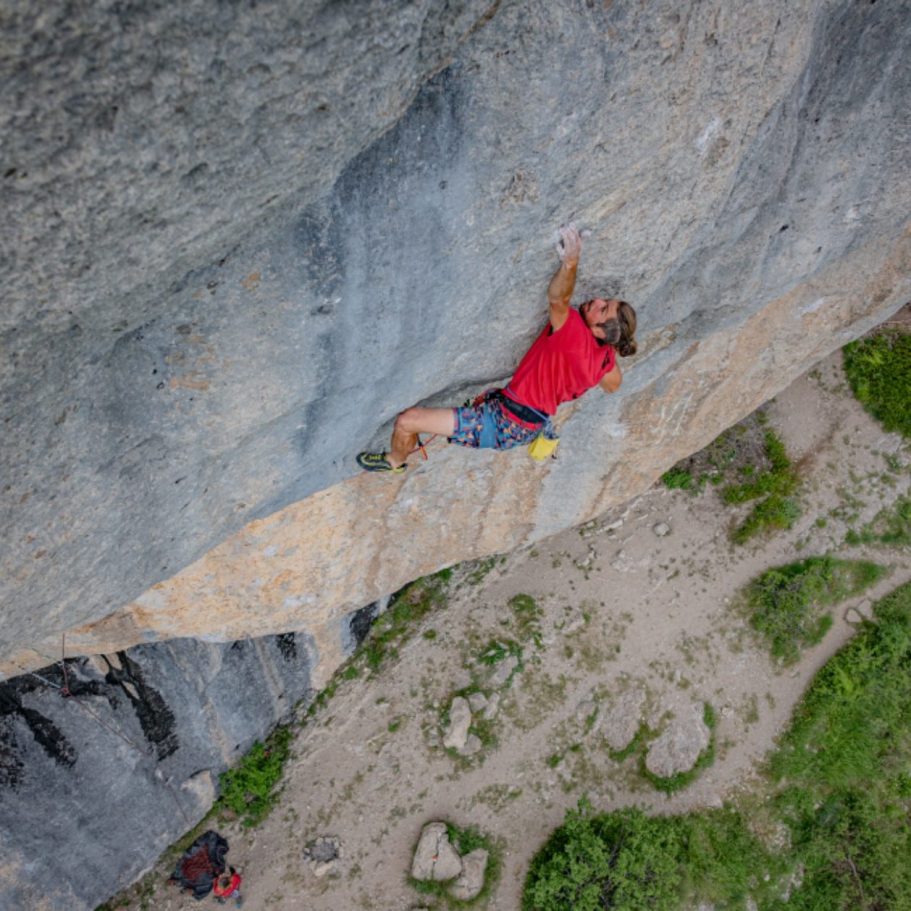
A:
(477, 702)
(472, 745)
(679, 745)
(620, 721)
(459, 721)
(434, 857)
(493, 706)
(471, 879)
(324, 854)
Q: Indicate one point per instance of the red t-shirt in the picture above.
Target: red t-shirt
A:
(560, 366)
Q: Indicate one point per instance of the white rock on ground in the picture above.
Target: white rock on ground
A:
(434, 857)
(471, 880)
(493, 705)
(472, 745)
(459, 722)
(477, 701)
(678, 746)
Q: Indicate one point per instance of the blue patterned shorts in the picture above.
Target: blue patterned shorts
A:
(487, 426)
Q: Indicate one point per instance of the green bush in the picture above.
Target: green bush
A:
(845, 768)
(623, 860)
(754, 455)
(681, 479)
(774, 488)
(527, 616)
(249, 789)
(785, 603)
(627, 861)
(879, 373)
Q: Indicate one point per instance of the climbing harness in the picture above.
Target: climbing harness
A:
(544, 445)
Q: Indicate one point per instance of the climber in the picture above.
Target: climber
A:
(575, 351)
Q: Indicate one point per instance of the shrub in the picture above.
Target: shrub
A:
(785, 603)
(407, 607)
(754, 455)
(776, 485)
(879, 373)
(249, 789)
(680, 479)
(623, 860)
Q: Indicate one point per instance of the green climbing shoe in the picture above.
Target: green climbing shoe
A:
(377, 461)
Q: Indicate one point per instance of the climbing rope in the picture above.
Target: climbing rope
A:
(422, 445)
(66, 683)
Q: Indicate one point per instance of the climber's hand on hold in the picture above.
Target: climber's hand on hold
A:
(560, 290)
(569, 245)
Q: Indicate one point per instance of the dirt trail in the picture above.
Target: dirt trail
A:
(623, 610)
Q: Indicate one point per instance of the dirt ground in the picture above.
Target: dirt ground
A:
(634, 620)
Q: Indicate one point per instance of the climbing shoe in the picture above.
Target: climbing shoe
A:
(377, 461)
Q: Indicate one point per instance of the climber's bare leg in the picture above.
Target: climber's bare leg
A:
(413, 421)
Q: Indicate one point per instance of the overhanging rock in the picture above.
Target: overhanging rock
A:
(239, 245)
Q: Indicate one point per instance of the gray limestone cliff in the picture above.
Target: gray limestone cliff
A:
(239, 237)
(96, 784)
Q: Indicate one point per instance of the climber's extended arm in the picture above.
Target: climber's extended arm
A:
(611, 380)
(560, 290)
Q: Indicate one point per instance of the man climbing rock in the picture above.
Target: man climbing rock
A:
(575, 351)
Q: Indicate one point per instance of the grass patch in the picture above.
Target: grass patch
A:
(749, 462)
(891, 526)
(682, 479)
(878, 369)
(774, 487)
(481, 568)
(250, 788)
(498, 650)
(395, 625)
(786, 603)
(844, 770)
(527, 615)
(839, 787)
(634, 746)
